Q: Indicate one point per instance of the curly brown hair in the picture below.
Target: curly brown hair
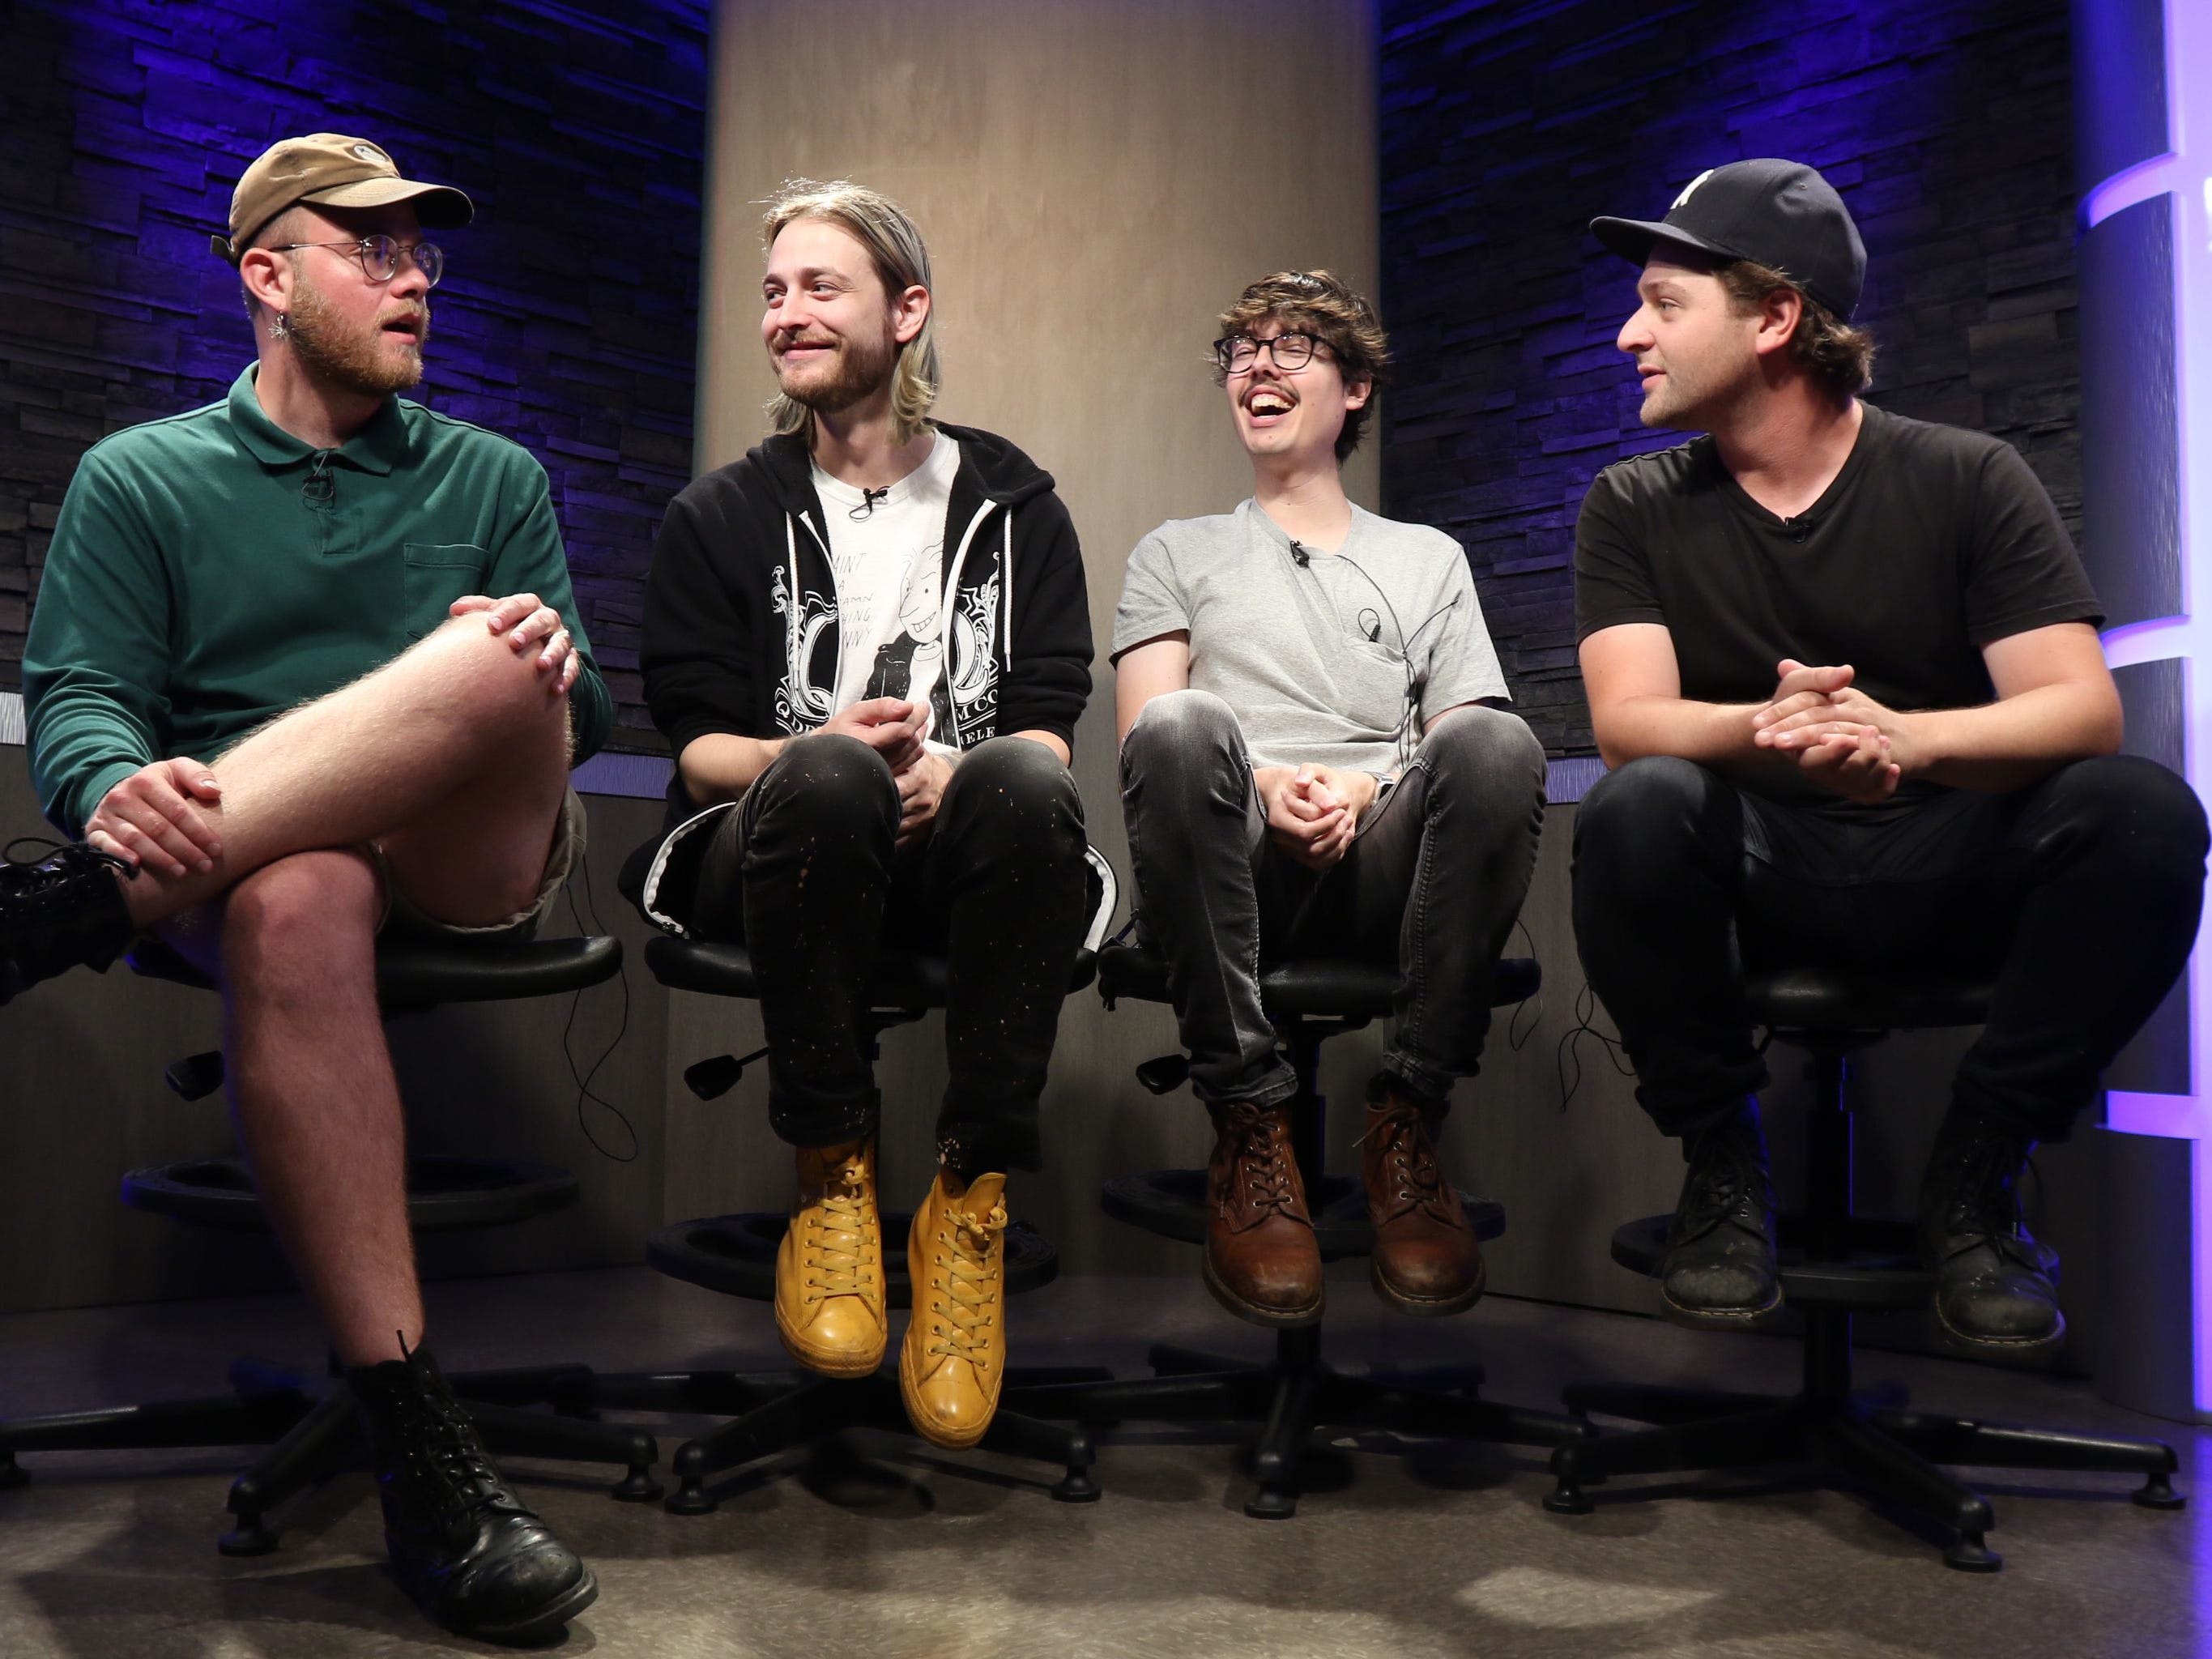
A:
(1321, 305)
(1840, 357)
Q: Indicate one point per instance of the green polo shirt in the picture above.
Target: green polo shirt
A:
(210, 571)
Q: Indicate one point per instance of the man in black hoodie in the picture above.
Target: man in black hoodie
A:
(863, 549)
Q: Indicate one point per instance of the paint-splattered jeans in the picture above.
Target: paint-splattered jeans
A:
(1432, 883)
(806, 872)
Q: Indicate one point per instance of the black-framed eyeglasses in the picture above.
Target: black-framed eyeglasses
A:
(1291, 350)
(379, 257)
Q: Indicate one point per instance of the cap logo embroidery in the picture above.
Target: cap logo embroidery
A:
(364, 152)
(1690, 189)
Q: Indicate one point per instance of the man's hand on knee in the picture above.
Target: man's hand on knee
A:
(527, 624)
(153, 818)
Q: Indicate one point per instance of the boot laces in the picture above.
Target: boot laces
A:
(1265, 1172)
(1725, 1178)
(439, 1434)
(1985, 1208)
(1411, 1155)
(965, 1316)
(835, 1253)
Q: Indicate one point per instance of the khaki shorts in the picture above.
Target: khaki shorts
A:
(402, 917)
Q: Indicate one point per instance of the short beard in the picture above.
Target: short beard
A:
(350, 361)
(1692, 408)
(858, 374)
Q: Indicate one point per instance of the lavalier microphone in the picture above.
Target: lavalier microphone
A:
(1299, 556)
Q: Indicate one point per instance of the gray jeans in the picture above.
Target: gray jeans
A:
(1431, 883)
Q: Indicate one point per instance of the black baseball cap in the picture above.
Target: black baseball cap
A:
(1772, 212)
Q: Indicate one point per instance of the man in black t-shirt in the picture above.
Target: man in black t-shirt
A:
(1844, 667)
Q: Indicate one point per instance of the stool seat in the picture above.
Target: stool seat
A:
(735, 1254)
(1171, 1204)
(423, 973)
(1824, 999)
(903, 979)
(1880, 1269)
(443, 1194)
(1307, 986)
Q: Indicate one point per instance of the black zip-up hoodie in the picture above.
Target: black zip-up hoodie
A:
(741, 607)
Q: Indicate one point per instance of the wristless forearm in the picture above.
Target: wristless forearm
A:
(1713, 734)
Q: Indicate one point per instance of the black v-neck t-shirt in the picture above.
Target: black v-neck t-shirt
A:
(1931, 543)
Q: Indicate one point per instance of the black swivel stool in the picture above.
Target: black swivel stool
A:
(775, 1411)
(1308, 1002)
(1835, 1263)
(313, 1434)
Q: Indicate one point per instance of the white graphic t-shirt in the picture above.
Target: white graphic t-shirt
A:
(887, 556)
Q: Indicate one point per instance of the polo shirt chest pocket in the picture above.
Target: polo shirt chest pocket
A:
(437, 573)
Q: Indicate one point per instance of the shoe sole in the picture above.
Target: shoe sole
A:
(542, 1625)
(1718, 1319)
(1273, 1318)
(2024, 1354)
(1422, 1307)
(822, 1366)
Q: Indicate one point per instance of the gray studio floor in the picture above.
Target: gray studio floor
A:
(1410, 1552)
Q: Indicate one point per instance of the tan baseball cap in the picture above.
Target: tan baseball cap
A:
(328, 169)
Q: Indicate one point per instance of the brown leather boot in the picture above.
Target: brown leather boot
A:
(1427, 1260)
(1263, 1262)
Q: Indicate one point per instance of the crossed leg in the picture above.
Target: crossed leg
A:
(452, 758)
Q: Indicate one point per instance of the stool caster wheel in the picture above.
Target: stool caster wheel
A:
(638, 1487)
(1568, 1499)
(1970, 1554)
(1270, 1504)
(692, 1498)
(12, 1474)
(1077, 1487)
(248, 1537)
(2157, 1492)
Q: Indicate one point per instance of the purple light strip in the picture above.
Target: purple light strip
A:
(2183, 173)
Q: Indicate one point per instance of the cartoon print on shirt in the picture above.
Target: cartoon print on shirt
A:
(911, 664)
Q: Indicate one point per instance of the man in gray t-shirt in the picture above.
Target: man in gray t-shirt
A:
(1308, 769)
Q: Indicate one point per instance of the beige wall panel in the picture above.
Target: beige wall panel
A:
(1096, 181)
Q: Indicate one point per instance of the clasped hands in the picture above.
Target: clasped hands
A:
(155, 818)
(1840, 738)
(1313, 811)
(895, 728)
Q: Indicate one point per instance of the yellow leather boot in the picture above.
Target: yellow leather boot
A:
(829, 1268)
(954, 1357)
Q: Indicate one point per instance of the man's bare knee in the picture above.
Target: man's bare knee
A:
(304, 914)
(498, 685)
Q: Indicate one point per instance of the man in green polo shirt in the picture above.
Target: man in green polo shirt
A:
(306, 664)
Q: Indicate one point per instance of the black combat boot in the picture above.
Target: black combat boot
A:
(1993, 1295)
(1719, 1267)
(462, 1543)
(63, 911)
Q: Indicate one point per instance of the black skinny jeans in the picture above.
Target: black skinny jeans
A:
(807, 873)
(1431, 884)
(2081, 891)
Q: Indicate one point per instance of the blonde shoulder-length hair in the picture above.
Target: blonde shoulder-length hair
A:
(894, 243)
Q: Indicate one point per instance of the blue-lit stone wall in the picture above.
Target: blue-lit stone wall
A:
(567, 316)
(1508, 124)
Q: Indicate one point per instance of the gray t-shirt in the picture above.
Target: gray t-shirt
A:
(1336, 660)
